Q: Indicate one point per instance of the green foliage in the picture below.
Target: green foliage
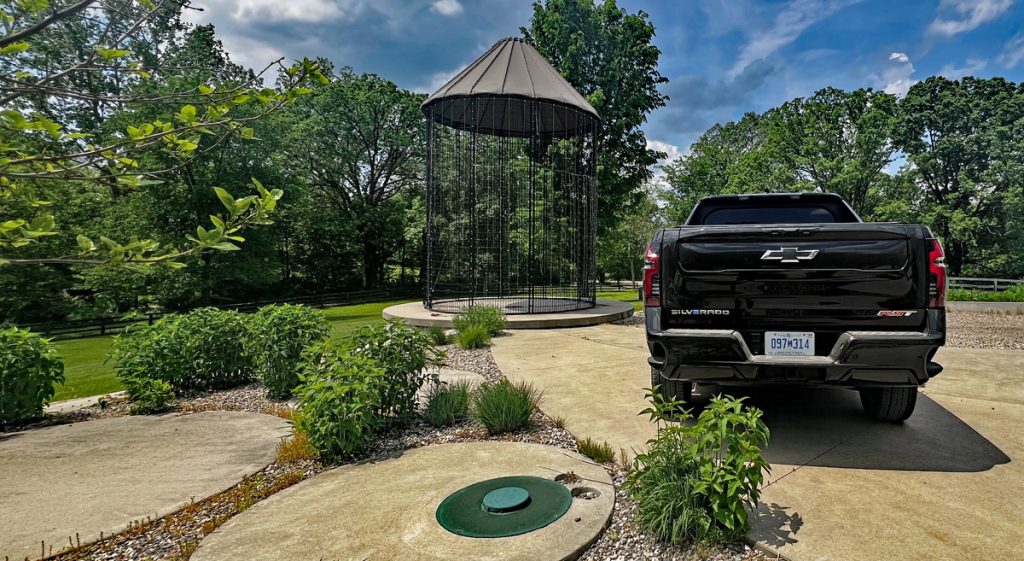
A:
(201, 350)
(448, 404)
(473, 337)
(438, 336)
(29, 368)
(406, 356)
(148, 395)
(696, 480)
(600, 452)
(280, 334)
(489, 317)
(608, 55)
(504, 406)
(1012, 294)
(339, 401)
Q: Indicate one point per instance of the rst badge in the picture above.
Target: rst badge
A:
(896, 313)
(702, 312)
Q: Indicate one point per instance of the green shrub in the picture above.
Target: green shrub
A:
(29, 367)
(438, 336)
(489, 317)
(600, 452)
(694, 482)
(473, 337)
(280, 334)
(1012, 294)
(448, 404)
(505, 407)
(201, 350)
(339, 397)
(405, 354)
(148, 395)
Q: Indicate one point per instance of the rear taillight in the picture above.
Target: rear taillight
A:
(936, 275)
(652, 290)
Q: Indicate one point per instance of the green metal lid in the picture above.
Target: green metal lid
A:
(506, 506)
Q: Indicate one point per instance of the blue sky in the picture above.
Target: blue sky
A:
(722, 57)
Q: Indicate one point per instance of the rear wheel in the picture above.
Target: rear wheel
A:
(672, 389)
(889, 404)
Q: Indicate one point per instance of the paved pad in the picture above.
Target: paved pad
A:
(943, 485)
(97, 476)
(386, 510)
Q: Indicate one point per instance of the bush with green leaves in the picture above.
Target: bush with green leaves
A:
(473, 337)
(504, 406)
(201, 350)
(407, 357)
(1013, 294)
(339, 401)
(148, 395)
(696, 479)
(280, 334)
(29, 368)
(488, 317)
(448, 404)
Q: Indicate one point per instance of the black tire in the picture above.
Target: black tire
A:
(889, 404)
(672, 389)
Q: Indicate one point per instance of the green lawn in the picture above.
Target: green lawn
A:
(85, 374)
(623, 296)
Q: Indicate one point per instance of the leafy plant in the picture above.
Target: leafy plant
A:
(339, 400)
(1012, 294)
(695, 481)
(504, 406)
(600, 452)
(295, 448)
(448, 404)
(201, 350)
(473, 337)
(405, 354)
(438, 336)
(29, 367)
(488, 317)
(280, 334)
(148, 395)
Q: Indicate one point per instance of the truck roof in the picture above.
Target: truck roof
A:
(831, 205)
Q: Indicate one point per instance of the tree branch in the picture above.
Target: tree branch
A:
(44, 23)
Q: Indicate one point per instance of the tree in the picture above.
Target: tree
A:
(620, 252)
(65, 69)
(963, 140)
(606, 54)
(358, 143)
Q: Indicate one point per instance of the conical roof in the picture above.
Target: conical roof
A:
(492, 95)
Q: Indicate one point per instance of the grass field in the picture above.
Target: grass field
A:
(86, 374)
(623, 296)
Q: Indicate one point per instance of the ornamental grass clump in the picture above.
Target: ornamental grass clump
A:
(280, 334)
(473, 337)
(490, 318)
(697, 479)
(504, 406)
(448, 404)
(29, 368)
(600, 452)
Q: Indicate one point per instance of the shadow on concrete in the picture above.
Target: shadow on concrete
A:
(827, 427)
(772, 525)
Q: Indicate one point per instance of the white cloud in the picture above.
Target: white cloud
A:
(793, 20)
(971, 67)
(294, 10)
(1013, 51)
(671, 150)
(969, 15)
(447, 7)
(896, 78)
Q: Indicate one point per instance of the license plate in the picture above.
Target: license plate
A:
(788, 343)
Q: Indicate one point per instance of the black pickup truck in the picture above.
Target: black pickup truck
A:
(795, 288)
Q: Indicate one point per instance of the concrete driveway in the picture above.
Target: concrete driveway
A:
(944, 485)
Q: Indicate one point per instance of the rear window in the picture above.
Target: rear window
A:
(769, 215)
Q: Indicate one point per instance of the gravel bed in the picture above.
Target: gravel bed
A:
(978, 330)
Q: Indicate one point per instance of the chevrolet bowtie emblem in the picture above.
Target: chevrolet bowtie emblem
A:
(789, 254)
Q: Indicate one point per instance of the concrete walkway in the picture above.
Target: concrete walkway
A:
(96, 476)
(941, 486)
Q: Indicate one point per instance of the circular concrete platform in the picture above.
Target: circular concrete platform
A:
(604, 312)
(97, 476)
(386, 510)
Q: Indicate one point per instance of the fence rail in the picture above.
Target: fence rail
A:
(992, 285)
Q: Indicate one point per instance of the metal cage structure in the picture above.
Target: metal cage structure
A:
(511, 188)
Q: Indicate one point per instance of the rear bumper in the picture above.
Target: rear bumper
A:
(858, 358)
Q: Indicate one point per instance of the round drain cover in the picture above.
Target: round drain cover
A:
(506, 499)
(506, 506)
